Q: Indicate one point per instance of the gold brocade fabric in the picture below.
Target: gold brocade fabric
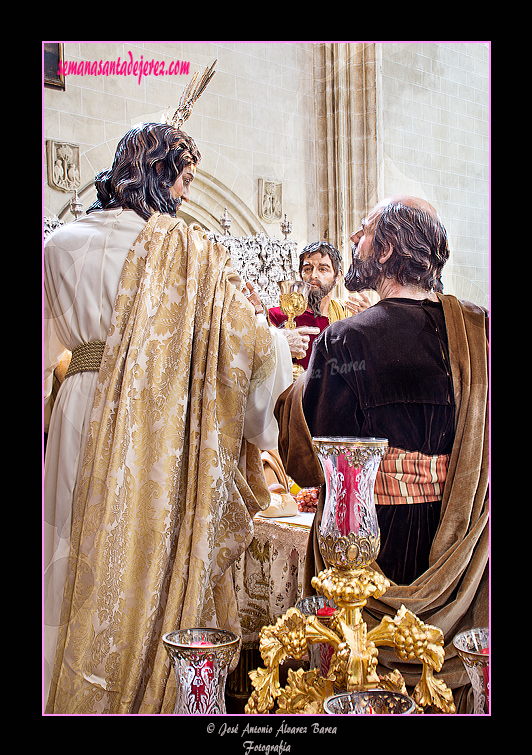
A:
(168, 486)
(336, 311)
(269, 575)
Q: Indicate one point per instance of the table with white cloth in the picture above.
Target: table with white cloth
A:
(269, 574)
(268, 581)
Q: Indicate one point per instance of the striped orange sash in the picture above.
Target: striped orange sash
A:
(410, 477)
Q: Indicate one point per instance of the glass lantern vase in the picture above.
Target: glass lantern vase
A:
(370, 702)
(473, 648)
(349, 536)
(201, 658)
(320, 653)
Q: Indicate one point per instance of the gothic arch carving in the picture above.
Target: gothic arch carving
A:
(209, 199)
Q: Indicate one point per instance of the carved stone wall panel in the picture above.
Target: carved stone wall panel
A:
(270, 200)
(63, 164)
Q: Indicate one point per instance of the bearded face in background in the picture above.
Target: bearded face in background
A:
(320, 264)
(317, 293)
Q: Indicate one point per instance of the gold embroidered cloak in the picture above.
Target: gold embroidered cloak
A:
(169, 484)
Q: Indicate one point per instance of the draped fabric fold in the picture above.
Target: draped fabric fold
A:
(169, 485)
(453, 592)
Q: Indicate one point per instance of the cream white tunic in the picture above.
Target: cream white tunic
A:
(83, 263)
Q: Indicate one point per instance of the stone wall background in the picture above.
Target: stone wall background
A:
(341, 125)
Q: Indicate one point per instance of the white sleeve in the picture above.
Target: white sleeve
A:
(260, 425)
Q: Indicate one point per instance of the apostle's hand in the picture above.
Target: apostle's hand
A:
(299, 340)
(253, 297)
(357, 302)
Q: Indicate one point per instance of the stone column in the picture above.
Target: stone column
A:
(347, 138)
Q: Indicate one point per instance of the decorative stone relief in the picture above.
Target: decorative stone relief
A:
(63, 164)
(270, 200)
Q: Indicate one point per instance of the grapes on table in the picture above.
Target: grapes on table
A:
(307, 499)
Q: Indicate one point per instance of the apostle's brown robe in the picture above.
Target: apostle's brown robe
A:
(452, 593)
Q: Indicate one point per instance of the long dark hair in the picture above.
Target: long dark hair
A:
(147, 162)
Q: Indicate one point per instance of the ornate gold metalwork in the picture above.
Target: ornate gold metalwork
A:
(293, 299)
(354, 661)
(292, 305)
(349, 582)
(349, 550)
(192, 92)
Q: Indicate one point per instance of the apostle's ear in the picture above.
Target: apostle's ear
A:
(385, 256)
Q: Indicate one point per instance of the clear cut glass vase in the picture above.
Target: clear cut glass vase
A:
(472, 646)
(201, 658)
(320, 653)
(376, 701)
(349, 535)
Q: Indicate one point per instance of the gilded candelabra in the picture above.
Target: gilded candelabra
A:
(349, 540)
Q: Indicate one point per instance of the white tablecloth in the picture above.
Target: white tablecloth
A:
(269, 575)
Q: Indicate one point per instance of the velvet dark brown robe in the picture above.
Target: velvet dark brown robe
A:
(386, 374)
(452, 592)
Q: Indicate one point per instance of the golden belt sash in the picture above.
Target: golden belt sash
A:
(86, 357)
(410, 477)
